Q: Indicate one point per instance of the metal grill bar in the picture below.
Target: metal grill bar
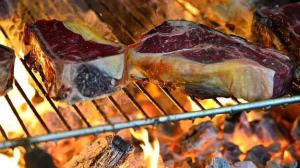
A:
(17, 116)
(31, 106)
(143, 90)
(102, 113)
(3, 133)
(150, 121)
(81, 116)
(119, 109)
(172, 98)
(136, 104)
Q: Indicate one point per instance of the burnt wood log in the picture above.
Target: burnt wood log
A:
(110, 151)
(106, 152)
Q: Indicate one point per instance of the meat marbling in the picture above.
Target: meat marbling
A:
(279, 27)
(7, 60)
(208, 63)
(74, 62)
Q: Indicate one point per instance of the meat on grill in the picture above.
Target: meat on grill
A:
(75, 63)
(208, 63)
(279, 27)
(7, 60)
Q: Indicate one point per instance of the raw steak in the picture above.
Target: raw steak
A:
(74, 62)
(279, 27)
(208, 63)
(7, 60)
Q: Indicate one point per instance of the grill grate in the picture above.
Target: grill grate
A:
(88, 127)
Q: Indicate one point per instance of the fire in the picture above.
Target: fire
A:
(287, 157)
(190, 7)
(11, 162)
(3, 40)
(151, 151)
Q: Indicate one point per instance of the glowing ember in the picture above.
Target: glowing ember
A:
(151, 151)
(11, 162)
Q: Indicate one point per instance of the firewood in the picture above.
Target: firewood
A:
(110, 151)
(107, 152)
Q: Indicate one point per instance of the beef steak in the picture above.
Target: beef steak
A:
(208, 63)
(279, 27)
(7, 60)
(74, 62)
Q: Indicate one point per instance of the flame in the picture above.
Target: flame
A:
(287, 157)
(11, 162)
(190, 7)
(151, 151)
(193, 105)
(3, 40)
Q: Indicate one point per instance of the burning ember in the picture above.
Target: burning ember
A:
(11, 161)
(151, 151)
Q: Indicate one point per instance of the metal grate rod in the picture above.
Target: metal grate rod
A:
(17, 116)
(151, 121)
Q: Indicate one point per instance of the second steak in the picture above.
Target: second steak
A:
(208, 63)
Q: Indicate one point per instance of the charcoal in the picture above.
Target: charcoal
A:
(229, 127)
(274, 147)
(293, 150)
(294, 165)
(37, 158)
(267, 129)
(271, 164)
(201, 139)
(219, 163)
(187, 163)
(295, 132)
(231, 152)
(244, 164)
(259, 155)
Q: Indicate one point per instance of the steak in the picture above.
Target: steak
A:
(74, 62)
(208, 63)
(7, 60)
(279, 27)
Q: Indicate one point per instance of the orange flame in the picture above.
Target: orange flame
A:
(11, 162)
(151, 151)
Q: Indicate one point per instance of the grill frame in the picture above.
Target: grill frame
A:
(110, 126)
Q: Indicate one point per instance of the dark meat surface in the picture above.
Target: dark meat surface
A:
(279, 27)
(7, 60)
(208, 63)
(74, 62)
